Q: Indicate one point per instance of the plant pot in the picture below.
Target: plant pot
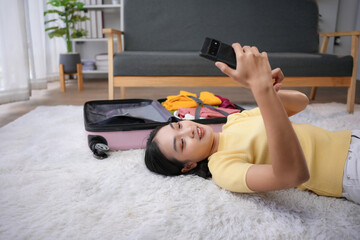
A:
(69, 60)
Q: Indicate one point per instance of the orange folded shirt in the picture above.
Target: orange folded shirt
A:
(183, 101)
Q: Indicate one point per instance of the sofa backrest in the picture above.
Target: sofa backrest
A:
(182, 25)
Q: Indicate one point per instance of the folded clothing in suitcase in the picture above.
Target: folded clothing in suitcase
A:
(126, 124)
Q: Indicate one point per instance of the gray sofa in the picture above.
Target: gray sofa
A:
(162, 39)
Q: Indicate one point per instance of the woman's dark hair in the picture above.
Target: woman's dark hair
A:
(156, 162)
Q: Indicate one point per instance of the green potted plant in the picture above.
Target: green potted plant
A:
(67, 26)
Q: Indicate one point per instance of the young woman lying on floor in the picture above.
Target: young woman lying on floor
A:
(261, 150)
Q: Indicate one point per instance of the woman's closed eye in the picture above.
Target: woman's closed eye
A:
(181, 140)
(177, 141)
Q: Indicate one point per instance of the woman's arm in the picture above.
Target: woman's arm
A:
(288, 168)
(293, 101)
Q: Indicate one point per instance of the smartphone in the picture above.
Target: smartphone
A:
(216, 50)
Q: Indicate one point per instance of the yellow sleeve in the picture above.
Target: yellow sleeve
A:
(245, 113)
(230, 174)
(229, 167)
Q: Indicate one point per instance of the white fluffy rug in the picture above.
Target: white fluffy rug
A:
(52, 188)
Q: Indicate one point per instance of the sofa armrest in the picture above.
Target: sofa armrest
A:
(354, 45)
(327, 35)
(110, 39)
(336, 34)
(354, 53)
(111, 32)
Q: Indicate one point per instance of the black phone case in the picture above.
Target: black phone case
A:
(216, 50)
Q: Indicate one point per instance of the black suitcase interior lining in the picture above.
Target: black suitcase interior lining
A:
(130, 114)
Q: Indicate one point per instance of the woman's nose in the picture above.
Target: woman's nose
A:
(189, 131)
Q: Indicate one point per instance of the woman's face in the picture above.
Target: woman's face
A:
(187, 141)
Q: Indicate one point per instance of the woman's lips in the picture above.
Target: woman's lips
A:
(201, 132)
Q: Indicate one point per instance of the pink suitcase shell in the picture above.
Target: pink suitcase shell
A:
(126, 124)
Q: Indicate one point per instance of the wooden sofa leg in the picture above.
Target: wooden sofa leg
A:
(122, 92)
(351, 96)
(111, 86)
(350, 100)
(62, 78)
(80, 77)
(313, 93)
(352, 88)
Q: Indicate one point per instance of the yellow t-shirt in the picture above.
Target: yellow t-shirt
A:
(243, 142)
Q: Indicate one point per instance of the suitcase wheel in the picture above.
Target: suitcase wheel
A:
(100, 155)
(102, 147)
(99, 151)
(99, 147)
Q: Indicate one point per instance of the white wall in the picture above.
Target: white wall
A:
(327, 20)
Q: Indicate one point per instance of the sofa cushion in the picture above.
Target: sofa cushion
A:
(138, 63)
(312, 64)
(182, 25)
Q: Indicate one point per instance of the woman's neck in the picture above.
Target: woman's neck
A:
(215, 144)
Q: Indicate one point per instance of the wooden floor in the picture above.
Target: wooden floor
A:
(96, 89)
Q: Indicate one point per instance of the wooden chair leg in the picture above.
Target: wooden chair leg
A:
(313, 93)
(80, 77)
(62, 78)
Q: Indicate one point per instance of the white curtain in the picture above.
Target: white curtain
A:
(36, 42)
(14, 65)
(53, 47)
(28, 58)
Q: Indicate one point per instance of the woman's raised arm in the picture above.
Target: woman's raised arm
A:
(288, 168)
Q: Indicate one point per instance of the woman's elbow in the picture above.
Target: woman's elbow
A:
(302, 177)
(305, 177)
(302, 101)
(296, 177)
(305, 101)
(293, 101)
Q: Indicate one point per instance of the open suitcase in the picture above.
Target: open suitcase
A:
(126, 124)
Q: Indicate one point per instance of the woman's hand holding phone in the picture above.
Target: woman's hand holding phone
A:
(252, 68)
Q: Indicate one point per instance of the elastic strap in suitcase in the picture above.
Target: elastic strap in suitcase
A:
(201, 103)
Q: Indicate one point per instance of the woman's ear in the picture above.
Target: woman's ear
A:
(188, 166)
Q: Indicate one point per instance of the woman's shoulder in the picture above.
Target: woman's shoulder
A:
(245, 113)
